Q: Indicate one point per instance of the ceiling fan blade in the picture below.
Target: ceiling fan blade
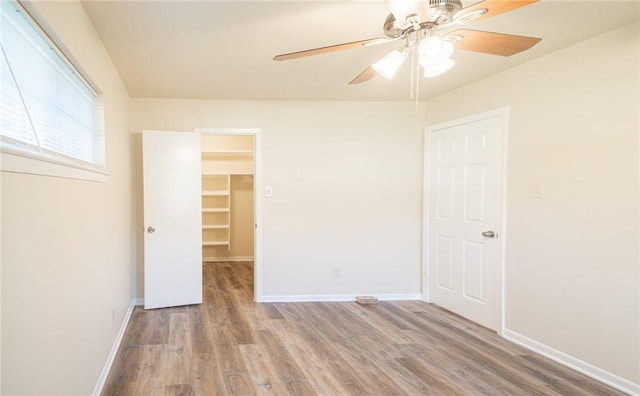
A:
(493, 43)
(331, 48)
(497, 7)
(366, 75)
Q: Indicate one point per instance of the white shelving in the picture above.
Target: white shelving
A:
(215, 243)
(215, 210)
(222, 153)
(223, 157)
(216, 216)
(215, 227)
(215, 193)
(234, 160)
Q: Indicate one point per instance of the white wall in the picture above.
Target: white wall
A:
(67, 246)
(347, 185)
(572, 264)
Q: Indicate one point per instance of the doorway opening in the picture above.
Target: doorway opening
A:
(230, 208)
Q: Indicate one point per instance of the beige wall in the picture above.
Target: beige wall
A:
(242, 224)
(572, 264)
(347, 184)
(67, 247)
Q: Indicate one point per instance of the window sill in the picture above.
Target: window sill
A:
(18, 161)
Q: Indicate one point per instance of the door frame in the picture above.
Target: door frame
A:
(257, 203)
(503, 113)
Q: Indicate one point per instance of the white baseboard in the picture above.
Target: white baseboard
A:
(97, 390)
(219, 259)
(574, 363)
(138, 301)
(337, 297)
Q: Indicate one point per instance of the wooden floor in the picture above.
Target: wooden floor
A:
(230, 345)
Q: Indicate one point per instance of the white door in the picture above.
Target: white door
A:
(172, 219)
(465, 189)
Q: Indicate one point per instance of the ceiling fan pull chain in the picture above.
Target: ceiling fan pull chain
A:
(413, 64)
(417, 71)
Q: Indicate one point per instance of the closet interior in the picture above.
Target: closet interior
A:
(227, 197)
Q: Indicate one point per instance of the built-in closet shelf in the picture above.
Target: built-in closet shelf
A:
(216, 227)
(215, 243)
(215, 193)
(222, 153)
(215, 210)
(223, 157)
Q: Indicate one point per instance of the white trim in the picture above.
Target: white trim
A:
(574, 363)
(502, 319)
(502, 113)
(222, 259)
(425, 216)
(339, 297)
(228, 131)
(19, 161)
(97, 390)
(138, 301)
(257, 187)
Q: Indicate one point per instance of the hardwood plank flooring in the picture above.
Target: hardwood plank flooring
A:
(230, 345)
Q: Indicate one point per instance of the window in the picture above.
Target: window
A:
(48, 110)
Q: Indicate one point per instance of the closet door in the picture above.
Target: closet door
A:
(172, 219)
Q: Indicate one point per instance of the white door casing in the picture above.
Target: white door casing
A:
(257, 210)
(172, 219)
(464, 179)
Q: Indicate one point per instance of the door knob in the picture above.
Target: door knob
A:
(489, 234)
(151, 230)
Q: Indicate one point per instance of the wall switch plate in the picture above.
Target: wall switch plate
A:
(268, 192)
(536, 191)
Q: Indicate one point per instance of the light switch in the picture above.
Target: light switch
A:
(268, 192)
(536, 191)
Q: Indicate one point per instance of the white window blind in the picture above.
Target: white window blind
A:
(47, 108)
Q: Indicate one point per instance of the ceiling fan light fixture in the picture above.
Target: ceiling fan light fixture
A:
(435, 69)
(444, 10)
(389, 65)
(435, 47)
(402, 9)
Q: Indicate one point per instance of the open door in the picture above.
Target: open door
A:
(172, 219)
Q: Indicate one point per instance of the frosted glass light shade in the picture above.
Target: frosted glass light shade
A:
(389, 65)
(434, 47)
(435, 69)
(434, 56)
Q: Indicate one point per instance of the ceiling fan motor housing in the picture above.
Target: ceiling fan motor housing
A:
(442, 13)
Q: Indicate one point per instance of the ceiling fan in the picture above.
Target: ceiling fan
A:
(425, 26)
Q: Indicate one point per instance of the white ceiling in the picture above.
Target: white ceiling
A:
(224, 49)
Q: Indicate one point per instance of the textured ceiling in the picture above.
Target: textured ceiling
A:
(224, 49)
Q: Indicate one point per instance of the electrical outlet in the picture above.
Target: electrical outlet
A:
(336, 272)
